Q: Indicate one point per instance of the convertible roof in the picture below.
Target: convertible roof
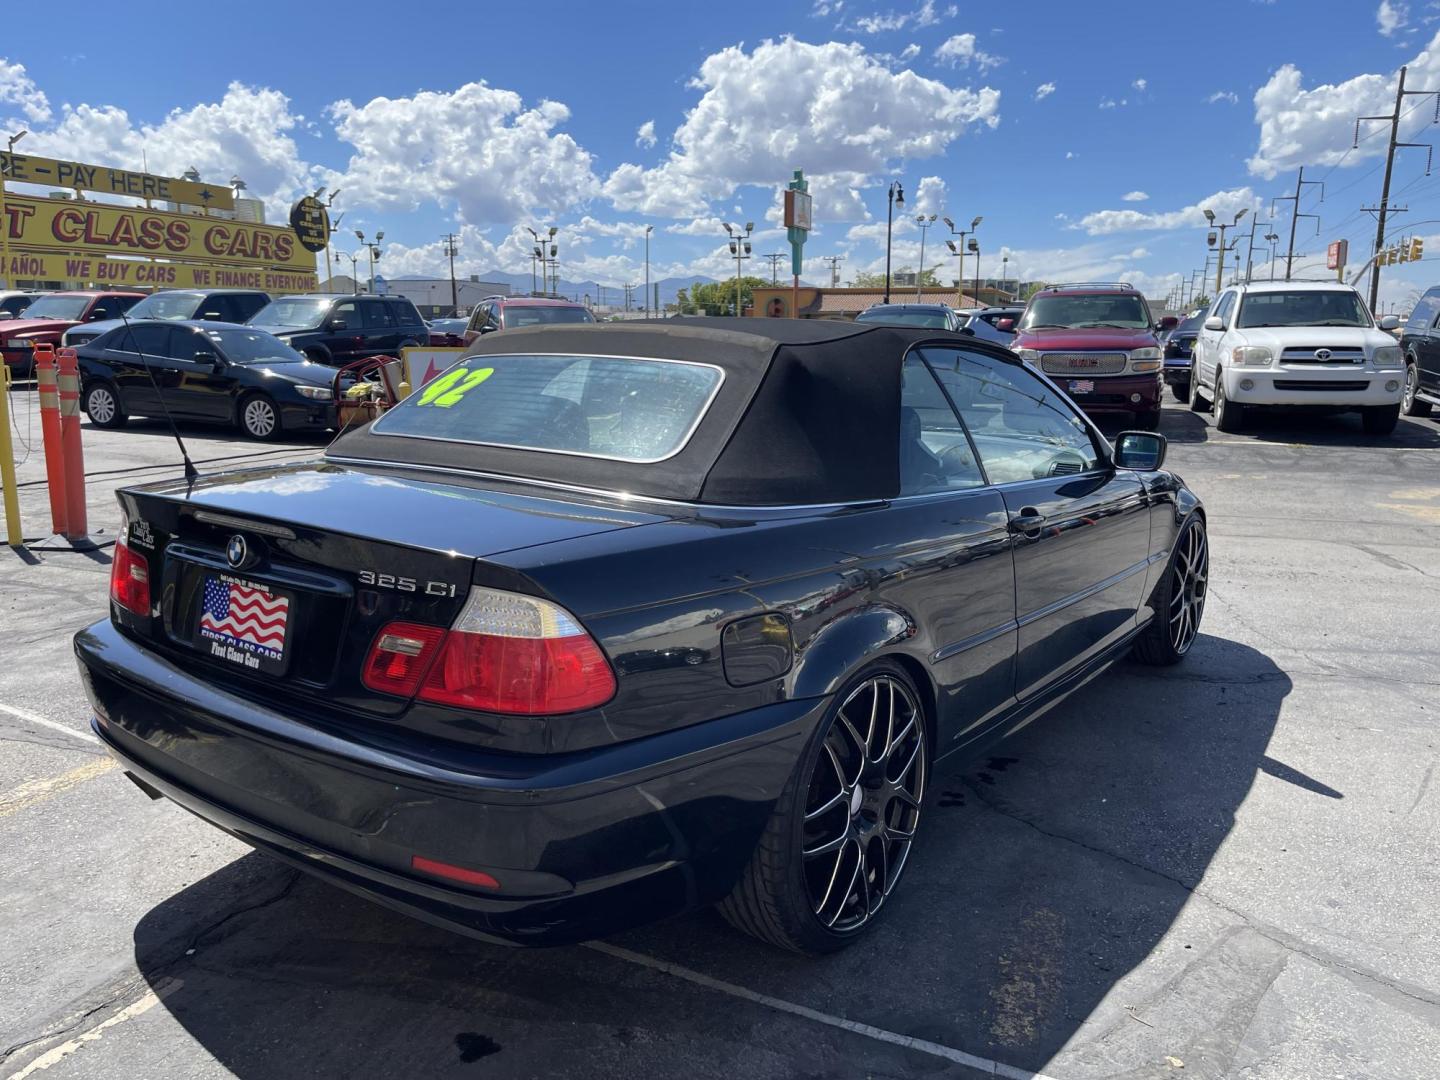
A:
(808, 412)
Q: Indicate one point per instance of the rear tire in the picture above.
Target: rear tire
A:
(1197, 403)
(1380, 419)
(841, 816)
(102, 405)
(1179, 599)
(1229, 417)
(1181, 390)
(1411, 404)
(259, 417)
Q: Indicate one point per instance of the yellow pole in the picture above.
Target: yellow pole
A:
(13, 536)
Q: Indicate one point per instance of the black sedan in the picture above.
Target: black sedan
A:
(610, 622)
(217, 372)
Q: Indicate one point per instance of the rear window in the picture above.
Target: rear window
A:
(936, 319)
(520, 315)
(1124, 311)
(622, 408)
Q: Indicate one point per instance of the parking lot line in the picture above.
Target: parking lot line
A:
(58, 1053)
(33, 718)
(924, 1046)
(35, 791)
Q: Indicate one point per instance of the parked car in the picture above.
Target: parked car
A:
(1297, 344)
(512, 312)
(1177, 345)
(995, 324)
(937, 316)
(213, 305)
(1098, 339)
(13, 304)
(49, 316)
(1420, 344)
(222, 373)
(610, 622)
(447, 333)
(337, 330)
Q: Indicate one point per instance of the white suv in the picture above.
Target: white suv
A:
(1297, 343)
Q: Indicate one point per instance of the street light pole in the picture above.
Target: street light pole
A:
(1272, 238)
(1220, 266)
(648, 230)
(354, 272)
(894, 196)
(4, 220)
(924, 223)
(960, 251)
(374, 248)
(452, 250)
(740, 248)
(975, 247)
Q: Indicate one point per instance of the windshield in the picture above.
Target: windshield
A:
(1303, 307)
(516, 315)
(302, 313)
(1192, 325)
(623, 408)
(253, 347)
(68, 308)
(1118, 310)
(448, 326)
(905, 318)
(167, 306)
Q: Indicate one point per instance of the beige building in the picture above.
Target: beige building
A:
(828, 303)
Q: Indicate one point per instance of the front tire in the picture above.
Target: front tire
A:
(1179, 599)
(102, 405)
(841, 832)
(1380, 419)
(1411, 403)
(259, 417)
(1229, 417)
(1197, 403)
(1181, 390)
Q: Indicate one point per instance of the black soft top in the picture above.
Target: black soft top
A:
(809, 412)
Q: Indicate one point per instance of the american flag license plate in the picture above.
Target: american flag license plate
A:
(244, 623)
(1082, 386)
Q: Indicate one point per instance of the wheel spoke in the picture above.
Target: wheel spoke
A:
(910, 761)
(835, 761)
(834, 871)
(841, 796)
(849, 889)
(828, 845)
(912, 801)
(899, 740)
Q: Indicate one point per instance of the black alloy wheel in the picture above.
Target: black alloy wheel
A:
(1179, 601)
(1411, 405)
(842, 831)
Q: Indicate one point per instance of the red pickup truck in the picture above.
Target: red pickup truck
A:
(46, 320)
(1098, 342)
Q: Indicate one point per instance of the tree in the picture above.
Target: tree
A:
(718, 298)
(877, 280)
(1201, 301)
(1032, 289)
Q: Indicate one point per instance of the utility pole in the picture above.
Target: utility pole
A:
(1250, 253)
(452, 249)
(629, 287)
(834, 261)
(1295, 214)
(775, 266)
(975, 247)
(1384, 209)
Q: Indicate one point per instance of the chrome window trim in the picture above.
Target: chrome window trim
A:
(700, 415)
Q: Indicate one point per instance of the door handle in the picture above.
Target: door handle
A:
(1028, 520)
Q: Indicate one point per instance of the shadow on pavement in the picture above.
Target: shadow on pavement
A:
(1335, 429)
(200, 432)
(1045, 873)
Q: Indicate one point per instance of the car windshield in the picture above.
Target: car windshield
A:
(1120, 310)
(905, 318)
(69, 308)
(1303, 307)
(253, 347)
(167, 306)
(302, 313)
(1191, 325)
(627, 409)
(519, 315)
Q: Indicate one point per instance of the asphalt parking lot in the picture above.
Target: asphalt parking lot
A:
(1225, 869)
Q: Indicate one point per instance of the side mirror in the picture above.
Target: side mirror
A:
(203, 358)
(1214, 323)
(1169, 322)
(1005, 326)
(1390, 322)
(95, 316)
(337, 324)
(1141, 451)
(488, 328)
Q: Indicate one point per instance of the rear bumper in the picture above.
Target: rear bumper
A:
(1177, 370)
(1309, 386)
(1114, 393)
(583, 845)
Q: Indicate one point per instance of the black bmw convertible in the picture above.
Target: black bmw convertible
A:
(611, 622)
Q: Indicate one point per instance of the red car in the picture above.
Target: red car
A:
(46, 320)
(1098, 342)
(508, 312)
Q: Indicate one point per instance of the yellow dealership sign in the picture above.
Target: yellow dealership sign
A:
(64, 226)
(135, 273)
(29, 169)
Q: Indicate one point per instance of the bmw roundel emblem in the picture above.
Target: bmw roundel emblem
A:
(237, 551)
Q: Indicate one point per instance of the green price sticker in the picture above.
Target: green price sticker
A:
(449, 388)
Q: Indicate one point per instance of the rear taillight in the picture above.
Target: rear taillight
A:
(400, 656)
(130, 578)
(509, 653)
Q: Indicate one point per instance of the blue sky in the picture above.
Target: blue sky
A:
(1088, 136)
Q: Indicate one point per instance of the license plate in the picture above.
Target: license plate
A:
(244, 623)
(1082, 386)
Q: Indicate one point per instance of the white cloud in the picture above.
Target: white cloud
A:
(701, 226)
(910, 52)
(1111, 103)
(929, 197)
(1140, 84)
(959, 50)
(833, 108)
(475, 148)
(1392, 18)
(924, 15)
(822, 8)
(1070, 155)
(1227, 96)
(645, 135)
(1134, 196)
(1223, 203)
(1315, 126)
(1044, 90)
(17, 88)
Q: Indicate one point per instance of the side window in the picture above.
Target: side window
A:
(1222, 309)
(185, 343)
(405, 313)
(104, 308)
(218, 308)
(1022, 428)
(247, 305)
(153, 341)
(935, 455)
(347, 313)
(377, 315)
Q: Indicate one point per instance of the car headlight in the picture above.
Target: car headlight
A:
(315, 393)
(1147, 353)
(1251, 356)
(1388, 356)
(1028, 355)
(19, 343)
